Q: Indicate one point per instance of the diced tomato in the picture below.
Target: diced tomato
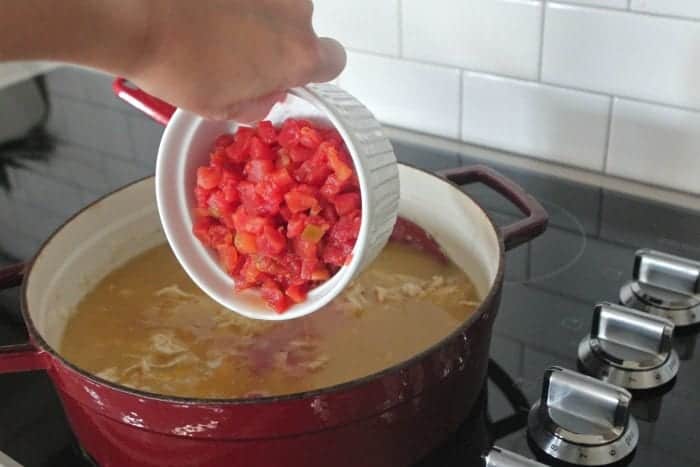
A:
(284, 160)
(331, 135)
(257, 169)
(249, 275)
(281, 207)
(282, 179)
(201, 229)
(223, 140)
(346, 203)
(271, 241)
(320, 273)
(202, 195)
(296, 292)
(218, 158)
(286, 213)
(305, 250)
(314, 230)
(228, 255)
(244, 222)
(332, 187)
(298, 201)
(267, 132)
(328, 212)
(300, 153)
(272, 294)
(308, 266)
(312, 172)
(208, 177)
(296, 224)
(338, 164)
(336, 253)
(246, 243)
(309, 137)
(249, 197)
(289, 134)
(219, 235)
(229, 186)
(260, 150)
(218, 206)
(238, 150)
(347, 228)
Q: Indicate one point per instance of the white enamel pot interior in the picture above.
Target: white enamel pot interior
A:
(124, 224)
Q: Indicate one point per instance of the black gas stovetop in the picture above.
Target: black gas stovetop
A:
(552, 286)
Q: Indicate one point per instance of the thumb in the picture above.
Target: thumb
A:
(332, 60)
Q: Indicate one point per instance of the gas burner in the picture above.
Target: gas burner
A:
(629, 348)
(664, 285)
(582, 421)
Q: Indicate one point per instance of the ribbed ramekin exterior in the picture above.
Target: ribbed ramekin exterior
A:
(377, 159)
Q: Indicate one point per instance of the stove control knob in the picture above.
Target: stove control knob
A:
(498, 457)
(664, 285)
(581, 420)
(629, 348)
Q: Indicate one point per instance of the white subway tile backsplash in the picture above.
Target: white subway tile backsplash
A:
(622, 53)
(655, 144)
(360, 24)
(620, 4)
(687, 8)
(485, 35)
(410, 95)
(565, 126)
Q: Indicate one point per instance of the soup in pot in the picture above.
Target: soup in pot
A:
(146, 325)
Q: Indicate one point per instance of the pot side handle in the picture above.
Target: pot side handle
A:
(520, 231)
(158, 110)
(18, 357)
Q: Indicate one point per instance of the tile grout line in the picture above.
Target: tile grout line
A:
(530, 81)
(460, 110)
(627, 9)
(608, 135)
(540, 58)
(399, 15)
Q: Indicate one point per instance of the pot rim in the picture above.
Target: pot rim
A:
(43, 346)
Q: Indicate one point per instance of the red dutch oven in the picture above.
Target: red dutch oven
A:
(392, 418)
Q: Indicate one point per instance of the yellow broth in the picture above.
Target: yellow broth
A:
(146, 325)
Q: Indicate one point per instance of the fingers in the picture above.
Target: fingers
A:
(332, 59)
(255, 109)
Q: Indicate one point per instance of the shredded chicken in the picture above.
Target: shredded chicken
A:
(174, 290)
(411, 289)
(167, 343)
(110, 374)
(315, 364)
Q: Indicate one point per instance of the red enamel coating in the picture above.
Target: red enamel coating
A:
(393, 420)
(21, 357)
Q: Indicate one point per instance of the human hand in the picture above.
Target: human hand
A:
(231, 59)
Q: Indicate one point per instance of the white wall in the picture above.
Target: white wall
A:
(609, 86)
